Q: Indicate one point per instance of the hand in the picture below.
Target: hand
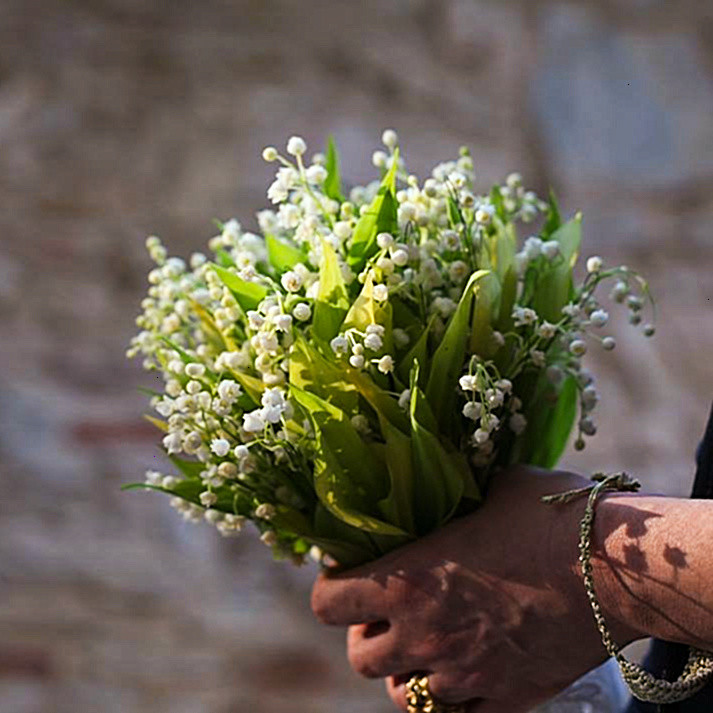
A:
(491, 606)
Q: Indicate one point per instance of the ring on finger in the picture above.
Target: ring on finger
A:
(420, 699)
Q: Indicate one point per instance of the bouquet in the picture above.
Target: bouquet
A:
(351, 377)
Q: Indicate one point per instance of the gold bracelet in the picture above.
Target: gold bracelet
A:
(642, 685)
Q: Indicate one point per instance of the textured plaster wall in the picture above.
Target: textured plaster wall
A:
(120, 118)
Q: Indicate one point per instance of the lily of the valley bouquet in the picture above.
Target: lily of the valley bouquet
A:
(352, 377)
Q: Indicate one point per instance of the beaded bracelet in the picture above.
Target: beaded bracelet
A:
(642, 685)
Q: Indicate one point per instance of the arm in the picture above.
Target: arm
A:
(654, 565)
(492, 606)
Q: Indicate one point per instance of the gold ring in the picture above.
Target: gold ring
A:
(420, 700)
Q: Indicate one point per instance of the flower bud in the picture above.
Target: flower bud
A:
(390, 139)
(296, 146)
(594, 264)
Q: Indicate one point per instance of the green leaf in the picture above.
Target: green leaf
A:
(148, 392)
(251, 384)
(553, 220)
(549, 423)
(338, 494)
(555, 286)
(406, 316)
(454, 217)
(498, 247)
(438, 485)
(282, 256)
(189, 468)
(485, 313)
(387, 220)
(496, 198)
(332, 186)
(213, 335)
(141, 486)
(247, 401)
(447, 362)
(223, 258)
(311, 371)
(248, 294)
(397, 506)
(380, 217)
(332, 300)
(185, 357)
(363, 311)
(471, 489)
(505, 248)
(348, 545)
(292, 520)
(348, 479)
(161, 425)
(507, 301)
(189, 489)
(381, 401)
(417, 354)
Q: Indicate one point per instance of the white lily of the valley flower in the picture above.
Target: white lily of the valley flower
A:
(302, 311)
(594, 264)
(550, 249)
(316, 174)
(468, 383)
(253, 422)
(473, 410)
(599, 318)
(283, 322)
(269, 154)
(538, 357)
(381, 293)
(386, 364)
(173, 443)
(390, 138)
(481, 436)
(523, 316)
(373, 342)
(220, 446)
(291, 281)
(229, 390)
(546, 330)
(517, 423)
(296, 146)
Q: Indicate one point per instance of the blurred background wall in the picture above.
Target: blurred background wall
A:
(120, 118)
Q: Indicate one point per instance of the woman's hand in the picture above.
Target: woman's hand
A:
(491, 606)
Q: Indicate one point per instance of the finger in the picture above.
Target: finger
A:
(458, 687)
(341, 600)
(396, 688)
(377, 651)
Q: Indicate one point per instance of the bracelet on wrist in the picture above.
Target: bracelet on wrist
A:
(642, 684)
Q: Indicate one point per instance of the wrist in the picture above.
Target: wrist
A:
(617, 564)
(615, 593)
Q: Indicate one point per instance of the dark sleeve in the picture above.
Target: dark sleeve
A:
(703, 485)
(666, 659)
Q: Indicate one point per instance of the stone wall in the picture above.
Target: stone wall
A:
(120, 118)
